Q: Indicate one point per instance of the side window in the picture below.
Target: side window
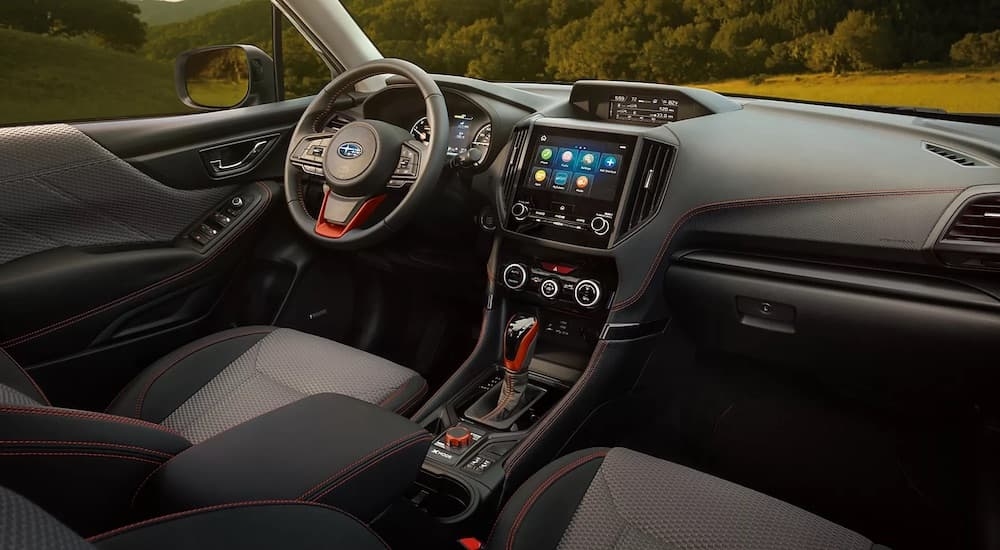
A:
(111, 59)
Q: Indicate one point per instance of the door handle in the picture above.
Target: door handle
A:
(257, 149)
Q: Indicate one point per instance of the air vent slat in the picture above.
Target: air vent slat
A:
(518, 140)
(958, 157)
(978, 221)
(649, 186)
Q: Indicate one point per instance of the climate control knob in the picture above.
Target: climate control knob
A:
(587, 293)
(600, 225)
(519, 211)
(514, 276)
(549, 288)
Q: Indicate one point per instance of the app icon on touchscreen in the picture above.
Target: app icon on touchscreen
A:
(560, 179)
(546, 153)
(582, 182)
(540, 175)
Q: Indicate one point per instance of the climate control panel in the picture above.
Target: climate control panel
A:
(553, 282)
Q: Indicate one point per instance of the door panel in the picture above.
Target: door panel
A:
(60, 188)
(99, 272)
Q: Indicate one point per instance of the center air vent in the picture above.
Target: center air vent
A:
(517, 143)
(977, 222)
(650, 185)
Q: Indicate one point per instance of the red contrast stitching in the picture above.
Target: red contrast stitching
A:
(217, 507)
(369, 456)
(26, 375)
(87, 415)
(89, 455)
(86, 443)
(550, 418)
(210, 341)
(29, 336)
(760, 201)
(371, 465)
(538, 493)
(410, 402)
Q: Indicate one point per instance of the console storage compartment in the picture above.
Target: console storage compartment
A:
(324, 448)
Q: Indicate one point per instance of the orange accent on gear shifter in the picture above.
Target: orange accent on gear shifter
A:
(518, 363)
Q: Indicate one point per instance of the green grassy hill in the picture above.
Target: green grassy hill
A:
(958, 90)
(158, 12)
(55, 79)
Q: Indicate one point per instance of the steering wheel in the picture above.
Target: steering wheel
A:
(364, 162)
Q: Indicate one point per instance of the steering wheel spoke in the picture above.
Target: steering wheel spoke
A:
(408, 167)
(339, 215)
(309, 152)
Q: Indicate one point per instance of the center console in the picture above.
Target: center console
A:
(570, 191)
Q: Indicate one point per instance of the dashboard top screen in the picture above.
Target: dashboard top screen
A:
(643, 109)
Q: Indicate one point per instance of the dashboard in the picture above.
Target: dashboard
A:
(692, 168)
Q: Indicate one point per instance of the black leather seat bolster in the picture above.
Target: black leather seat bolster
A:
(83, 467)
(539, 512)
(324, 448)
(173, 379)
(250, 526)
(13, 376)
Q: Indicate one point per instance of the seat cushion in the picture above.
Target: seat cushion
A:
(233, 376)
(254, 525)
(610, 499)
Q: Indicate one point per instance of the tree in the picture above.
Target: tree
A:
(977, 49)
(114, 23)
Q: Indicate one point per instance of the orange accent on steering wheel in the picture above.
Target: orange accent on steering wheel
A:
(336, 231)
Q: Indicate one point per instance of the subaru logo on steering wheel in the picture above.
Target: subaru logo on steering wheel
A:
(350, 150)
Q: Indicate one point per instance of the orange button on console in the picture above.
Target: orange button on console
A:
(457, 437)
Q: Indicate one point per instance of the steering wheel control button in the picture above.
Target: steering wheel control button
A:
(457, 437)
(587, 293)
(519, 211)
(549, 288)
(514, 276)
(600, 225)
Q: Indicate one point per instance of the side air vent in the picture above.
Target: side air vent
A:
(337, 122)
(977, 222)
(650, 185)
(517, 143)
(957, 157)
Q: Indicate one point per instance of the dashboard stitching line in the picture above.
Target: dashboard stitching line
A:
(29, 336)
(761, 201)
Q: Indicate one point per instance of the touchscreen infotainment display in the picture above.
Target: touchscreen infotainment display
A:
(577, 167)
(570, 184)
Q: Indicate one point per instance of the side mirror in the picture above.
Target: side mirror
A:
(223, 77)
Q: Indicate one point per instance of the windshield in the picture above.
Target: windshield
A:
(914, 53)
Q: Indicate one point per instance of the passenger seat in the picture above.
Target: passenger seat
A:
(603, 499)
(263, 525)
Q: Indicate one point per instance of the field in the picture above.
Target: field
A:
(955, 90)
(51, 79)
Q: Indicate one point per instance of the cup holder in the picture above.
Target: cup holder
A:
(446, 499)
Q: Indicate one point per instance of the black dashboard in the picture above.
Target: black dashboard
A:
(692, 169)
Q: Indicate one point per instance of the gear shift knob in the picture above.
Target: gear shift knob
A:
(519, 342)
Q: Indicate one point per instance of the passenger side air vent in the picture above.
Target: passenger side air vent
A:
(649, 187)
(977, 222)
(957, 157)
(517, 143)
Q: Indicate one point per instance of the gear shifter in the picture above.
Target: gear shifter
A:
(518, 348)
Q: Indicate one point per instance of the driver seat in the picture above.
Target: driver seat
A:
(86, 466)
